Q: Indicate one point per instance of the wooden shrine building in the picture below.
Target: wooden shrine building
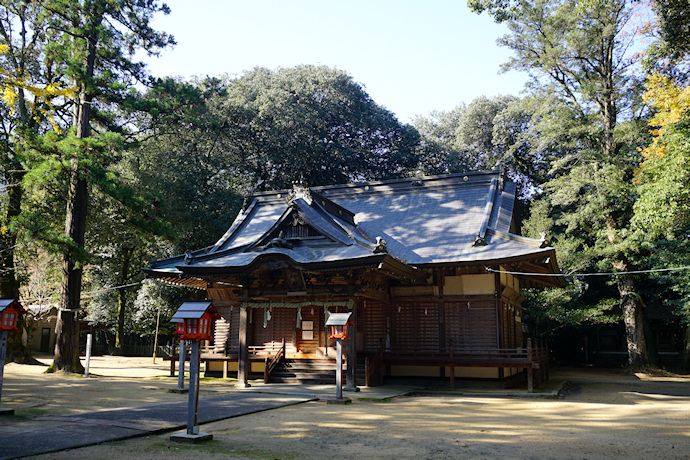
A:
(423, 264)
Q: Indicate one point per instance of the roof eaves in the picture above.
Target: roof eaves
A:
(360, 262)
(517, 238)
(237, 223)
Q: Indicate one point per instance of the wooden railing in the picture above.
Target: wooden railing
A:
(535, 351)
(271, 363)
(259, 351)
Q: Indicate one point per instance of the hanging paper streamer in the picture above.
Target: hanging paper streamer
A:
(266, 317)
(299, 317)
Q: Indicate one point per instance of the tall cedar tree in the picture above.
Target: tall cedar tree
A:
(33, 103)
(580, 50)
(96, 39)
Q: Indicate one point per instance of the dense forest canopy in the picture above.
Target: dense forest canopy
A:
(105, 167)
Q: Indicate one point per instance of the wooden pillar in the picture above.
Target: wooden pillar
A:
(243, 358)
(351, 376)
(442, 345)
(452, 366)
(499, 310)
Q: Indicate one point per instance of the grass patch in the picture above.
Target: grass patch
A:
(217, 379)
(31, 411)
(219, 449)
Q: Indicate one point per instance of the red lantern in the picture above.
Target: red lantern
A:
(195, 320)
(10, 309)
(340, 325)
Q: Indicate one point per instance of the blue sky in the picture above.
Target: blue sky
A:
(411, 56)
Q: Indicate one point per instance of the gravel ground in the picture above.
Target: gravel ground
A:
(602, 414)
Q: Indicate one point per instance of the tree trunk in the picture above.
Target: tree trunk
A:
(632, 306)
(67, 329)
(122, 300)
(633, 318)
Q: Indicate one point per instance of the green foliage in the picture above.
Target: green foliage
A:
(500, 10)
(154, 297)
(317, 124)
(661, 218)
(674, 27)
(490, 133)
(574, 305)
(191, 158)
(584, 127)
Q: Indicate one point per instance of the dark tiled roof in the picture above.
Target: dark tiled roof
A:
(463, 218)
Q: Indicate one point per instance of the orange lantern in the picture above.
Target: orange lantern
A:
(10, 309)
(195, 320)
(340, 324)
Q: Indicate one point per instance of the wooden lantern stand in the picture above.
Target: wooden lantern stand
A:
(340, 324)
(194, 323)
(10, 309)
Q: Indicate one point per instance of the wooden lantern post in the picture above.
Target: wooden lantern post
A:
(10, 309)
(194, 322)
(182, 363)
(340, 324)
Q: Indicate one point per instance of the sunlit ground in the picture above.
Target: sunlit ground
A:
(605, 415)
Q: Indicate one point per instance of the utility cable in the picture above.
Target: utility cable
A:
(631, 272)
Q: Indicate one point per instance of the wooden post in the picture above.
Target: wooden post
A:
(192, 435)
(155, 340)
(243, 359)
(339, 369)
(530, 370)
(183, 357)
(452, 365)
(88, 354)
(367, 376)
(193, 401)
(3, 350)
(266, 362)
(351, 380)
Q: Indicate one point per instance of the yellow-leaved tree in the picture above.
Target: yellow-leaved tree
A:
(662, 211)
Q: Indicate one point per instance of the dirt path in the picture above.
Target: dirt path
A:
(604, 415)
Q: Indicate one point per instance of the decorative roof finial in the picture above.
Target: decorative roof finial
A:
(543, 242)
(299, 191)
(380, 246)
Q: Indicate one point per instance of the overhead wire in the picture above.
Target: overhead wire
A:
(87, 293)
(575, 275)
